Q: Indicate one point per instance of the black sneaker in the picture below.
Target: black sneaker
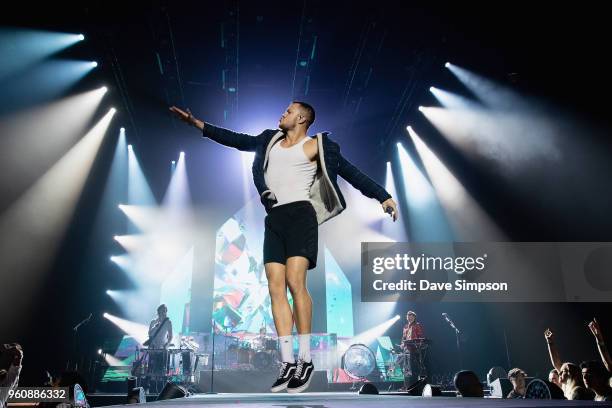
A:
(286, 374)
(301, 379)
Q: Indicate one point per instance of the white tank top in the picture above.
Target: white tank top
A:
(290, 173)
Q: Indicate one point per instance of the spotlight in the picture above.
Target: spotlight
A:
(81, 37)
(173, 162)
(398, 144)
(421, 108)
(129, 147)
(94, 64)
(104, 89)
(120, 206)
(115, 237)
(409, 128)
(397, 316)
(113, 110)
(182, 154)
(431, 89)
(108, 292)
(447, 65)
(122, 129)
(112, 258)
(105, 315)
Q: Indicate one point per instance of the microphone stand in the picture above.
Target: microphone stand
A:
(212, 363)
(457, 335)
(76, 353)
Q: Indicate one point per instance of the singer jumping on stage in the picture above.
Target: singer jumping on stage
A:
(295, 176)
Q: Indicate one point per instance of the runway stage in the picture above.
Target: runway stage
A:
(348, 399)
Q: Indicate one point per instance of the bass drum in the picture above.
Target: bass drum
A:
(262, 361)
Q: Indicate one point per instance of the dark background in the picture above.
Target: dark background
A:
(374, 64)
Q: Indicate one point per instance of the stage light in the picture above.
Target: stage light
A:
(108, 292)
(113, 258)
(452, 100)
(99, 351)
(421, 108)
(55, 194)
(137, 330)
(431, 89)
(173, 162)
(469, 221)
(182, 154)
(447, 65)
(426, 219)
(120, 206)
(409, 128)
(394, 230)
(122, 129)
(369, 336)
(113, 110)
(81, 37)
(130, 147)
(104, 89)
(105, 315)
(94, 64)
(116, 237)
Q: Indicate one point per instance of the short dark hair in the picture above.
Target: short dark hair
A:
(468, 384)
(596, 368)
(310, 112)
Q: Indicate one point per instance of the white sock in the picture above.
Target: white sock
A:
(304, 351)
(286, 347)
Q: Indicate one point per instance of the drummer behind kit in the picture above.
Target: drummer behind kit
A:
(252, 352)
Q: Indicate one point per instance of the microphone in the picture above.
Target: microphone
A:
(389, 210)
(450, 322)
(82, 322)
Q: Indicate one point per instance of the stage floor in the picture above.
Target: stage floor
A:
(348, 399)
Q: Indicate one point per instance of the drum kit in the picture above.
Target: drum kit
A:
(251, 353)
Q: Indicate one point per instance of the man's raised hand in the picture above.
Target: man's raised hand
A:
(187, 117)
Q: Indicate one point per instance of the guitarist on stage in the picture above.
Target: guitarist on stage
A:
(160, 330)
(160, 336)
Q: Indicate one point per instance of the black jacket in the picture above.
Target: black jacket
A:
(325, 194)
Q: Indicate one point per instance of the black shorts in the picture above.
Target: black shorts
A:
(291, 230)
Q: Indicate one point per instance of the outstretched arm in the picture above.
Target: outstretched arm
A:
(366, 185)
(601, 344)
(552, 350)
(225, 137)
